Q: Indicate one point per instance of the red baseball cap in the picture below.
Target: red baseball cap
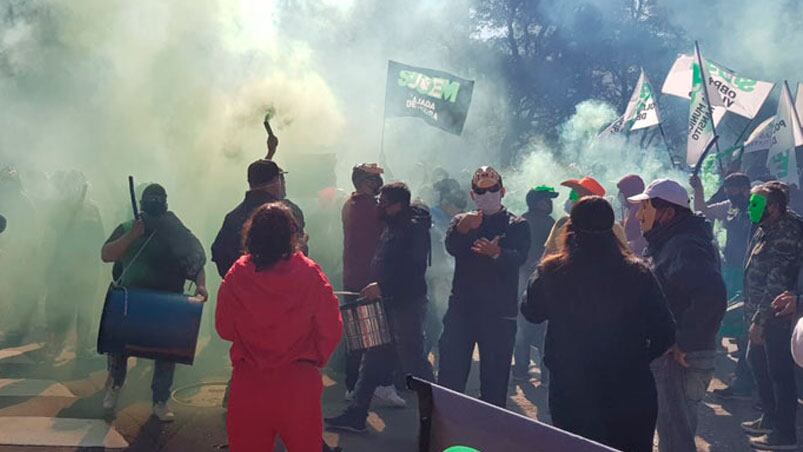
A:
(587, 186)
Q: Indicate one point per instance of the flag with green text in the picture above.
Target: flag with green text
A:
(439, 98)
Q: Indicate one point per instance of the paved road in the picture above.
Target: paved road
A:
(200, 424)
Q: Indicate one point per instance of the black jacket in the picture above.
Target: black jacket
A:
(486, 286)
(227, 247)
(607, 321)
(685, 259)
(402, 256)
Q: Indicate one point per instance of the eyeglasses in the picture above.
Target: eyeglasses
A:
(482, 191)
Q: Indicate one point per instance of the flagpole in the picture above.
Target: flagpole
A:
(666, 145)
(797, 116)
(707, 100)
(736, 143)
(794, 106)
(382, 157)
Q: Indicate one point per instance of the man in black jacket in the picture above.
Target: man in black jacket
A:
(489, 246)
(400, 264)
(266, 184)
(682, 253)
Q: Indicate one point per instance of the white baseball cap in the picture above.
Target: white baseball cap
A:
(666, 189)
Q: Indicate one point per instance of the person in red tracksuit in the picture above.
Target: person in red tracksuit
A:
(277, 308)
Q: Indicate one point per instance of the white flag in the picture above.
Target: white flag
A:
(614, 128)
(740, 95)
(781, 159)
(701, 132)
(799, 99)
(642, 109)
(761, 138)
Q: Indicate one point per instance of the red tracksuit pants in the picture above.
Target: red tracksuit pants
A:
(284, 402)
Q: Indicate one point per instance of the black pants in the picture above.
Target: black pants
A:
(406, 318)
(495, 338)
(774, 372)
(621, 415)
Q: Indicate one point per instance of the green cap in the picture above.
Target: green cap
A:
(461, 449)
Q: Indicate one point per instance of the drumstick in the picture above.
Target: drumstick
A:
(347, 294)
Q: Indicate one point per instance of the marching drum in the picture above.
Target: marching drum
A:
(149, 324)
(365, 324)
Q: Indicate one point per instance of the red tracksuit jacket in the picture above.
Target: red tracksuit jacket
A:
(282, 315)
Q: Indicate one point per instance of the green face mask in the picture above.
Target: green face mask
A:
(756, 208)
(574, 197)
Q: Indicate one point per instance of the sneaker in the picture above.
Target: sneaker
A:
(350, 421)
(773, 441)
(757, 427)
(349, 395)
(162, 412)
(731, 393)
(110, 399)
(387, 395)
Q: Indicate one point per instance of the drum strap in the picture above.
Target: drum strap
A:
(116, 283)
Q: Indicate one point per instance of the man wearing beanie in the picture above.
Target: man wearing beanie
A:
(628, 186)
(682, 253)
(154, 251)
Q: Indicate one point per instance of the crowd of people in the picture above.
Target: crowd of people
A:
(623, 310)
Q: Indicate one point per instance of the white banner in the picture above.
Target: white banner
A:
(740, 95)
(615, 128)
(642, 109)
(781, 159)
(761, 138)
(700, 132)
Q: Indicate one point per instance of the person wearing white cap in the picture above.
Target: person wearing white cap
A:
(682, 252)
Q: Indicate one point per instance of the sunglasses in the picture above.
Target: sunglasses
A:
(482, 191)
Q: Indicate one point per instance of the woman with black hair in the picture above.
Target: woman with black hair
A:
(278, 310)
(608, 320)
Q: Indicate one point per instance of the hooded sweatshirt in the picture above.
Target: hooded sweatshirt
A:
(275, 317)
(685, 259)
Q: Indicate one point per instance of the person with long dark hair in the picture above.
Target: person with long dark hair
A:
(608, 319)
(280, 313)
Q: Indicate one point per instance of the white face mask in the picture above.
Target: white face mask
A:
(489, 202)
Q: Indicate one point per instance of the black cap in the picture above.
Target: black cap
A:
(262, 172)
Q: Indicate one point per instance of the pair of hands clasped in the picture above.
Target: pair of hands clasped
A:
(482, 246)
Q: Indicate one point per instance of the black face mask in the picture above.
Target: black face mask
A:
(153, 207)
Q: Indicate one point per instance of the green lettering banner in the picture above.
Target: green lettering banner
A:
(439, 98)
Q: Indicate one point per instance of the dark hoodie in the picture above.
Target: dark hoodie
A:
(227, 247)
(684, 257)
(402, 256)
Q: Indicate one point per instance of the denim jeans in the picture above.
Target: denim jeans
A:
(680, 390)
(774, 371)
(495, 337)
(161, 383)
(529, 335)
(406, 319)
